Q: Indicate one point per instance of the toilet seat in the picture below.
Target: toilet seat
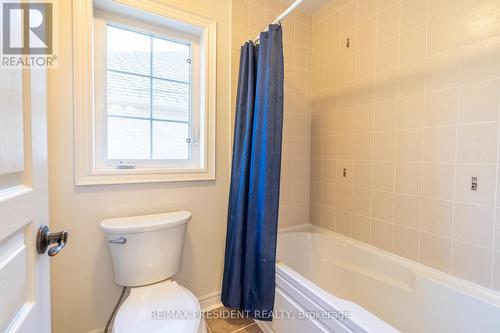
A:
(162, 307)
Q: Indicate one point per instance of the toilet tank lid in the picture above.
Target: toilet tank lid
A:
(145, 223)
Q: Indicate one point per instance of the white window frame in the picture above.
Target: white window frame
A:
(90, 167)
(101, 21)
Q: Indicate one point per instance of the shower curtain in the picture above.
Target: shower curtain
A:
(250, 258)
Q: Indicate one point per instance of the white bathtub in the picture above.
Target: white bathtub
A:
(320, 273)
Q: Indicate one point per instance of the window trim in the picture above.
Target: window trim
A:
(86, 171)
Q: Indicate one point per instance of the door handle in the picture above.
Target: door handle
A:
(45, 238)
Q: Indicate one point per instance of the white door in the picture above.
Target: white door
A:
(24, 274)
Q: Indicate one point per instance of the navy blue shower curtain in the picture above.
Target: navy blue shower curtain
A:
(250, 259)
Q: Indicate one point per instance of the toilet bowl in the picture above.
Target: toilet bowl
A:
(146, 252)
(159, 308)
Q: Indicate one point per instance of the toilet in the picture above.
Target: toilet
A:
(146, 252)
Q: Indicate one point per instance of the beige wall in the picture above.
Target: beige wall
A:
(249, 17)
(83, 291)
(410, 111)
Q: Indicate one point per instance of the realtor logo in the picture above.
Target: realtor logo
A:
(27, 34)
(27, 28)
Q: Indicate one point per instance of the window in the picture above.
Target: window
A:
(150, 90)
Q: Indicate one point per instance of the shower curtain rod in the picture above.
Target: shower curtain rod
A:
(282, 16)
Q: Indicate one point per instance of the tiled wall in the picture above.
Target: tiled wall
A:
(402, 120)
(250, 17)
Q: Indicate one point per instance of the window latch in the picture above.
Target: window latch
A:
(124, 166)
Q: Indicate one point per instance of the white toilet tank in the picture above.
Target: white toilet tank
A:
(146, 249)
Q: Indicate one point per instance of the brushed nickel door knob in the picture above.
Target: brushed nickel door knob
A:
(45, 238)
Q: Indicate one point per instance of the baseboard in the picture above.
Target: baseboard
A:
(265, 326)
(210, 301)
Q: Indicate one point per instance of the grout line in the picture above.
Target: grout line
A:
(396, 125)
(422, 142)
(495, 214)
(372, 133)
(453, 213)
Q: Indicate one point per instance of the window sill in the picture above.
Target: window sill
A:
(137, 176)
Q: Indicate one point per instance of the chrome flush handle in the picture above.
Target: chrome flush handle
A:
(119, 240)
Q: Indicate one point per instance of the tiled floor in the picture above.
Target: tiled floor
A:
(219, 322)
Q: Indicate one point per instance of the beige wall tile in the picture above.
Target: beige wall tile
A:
(439, 144)
(435, 251)
(479, 102)
(438, 181)
(346, 69)
(407, 211)
(413, 13)
(385, 115)
(412, 78)
(444, 33)
(363, 146)
(496, 271)
(387, 53)
(384, 146)
(343, 222)
(348, 16)
(474, 224)
(362, 201)
(346, 121)
(328, 171)
(487, 11)
(438, 8)
(486, 177)
(477, 143)
(386, 85)
(381, 235)
(437, 217)
(345, 147)
(408, 178)
(383, 176)
(345, 50)
(366, 37)
(345, 172)
(343, 197)
(472, 263)
(328, 192)
(387, 21)
(479, 61)
(365, 62)
(363, 174)
(441, 107)
(442, 70)
(383, 206)
(409, 145)
(363, 118)
(406, 242)
(411, 110)
(382, 5)
(366, 9)
(361, 228)
(413, 43)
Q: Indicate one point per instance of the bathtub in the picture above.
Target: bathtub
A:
(329, 283)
